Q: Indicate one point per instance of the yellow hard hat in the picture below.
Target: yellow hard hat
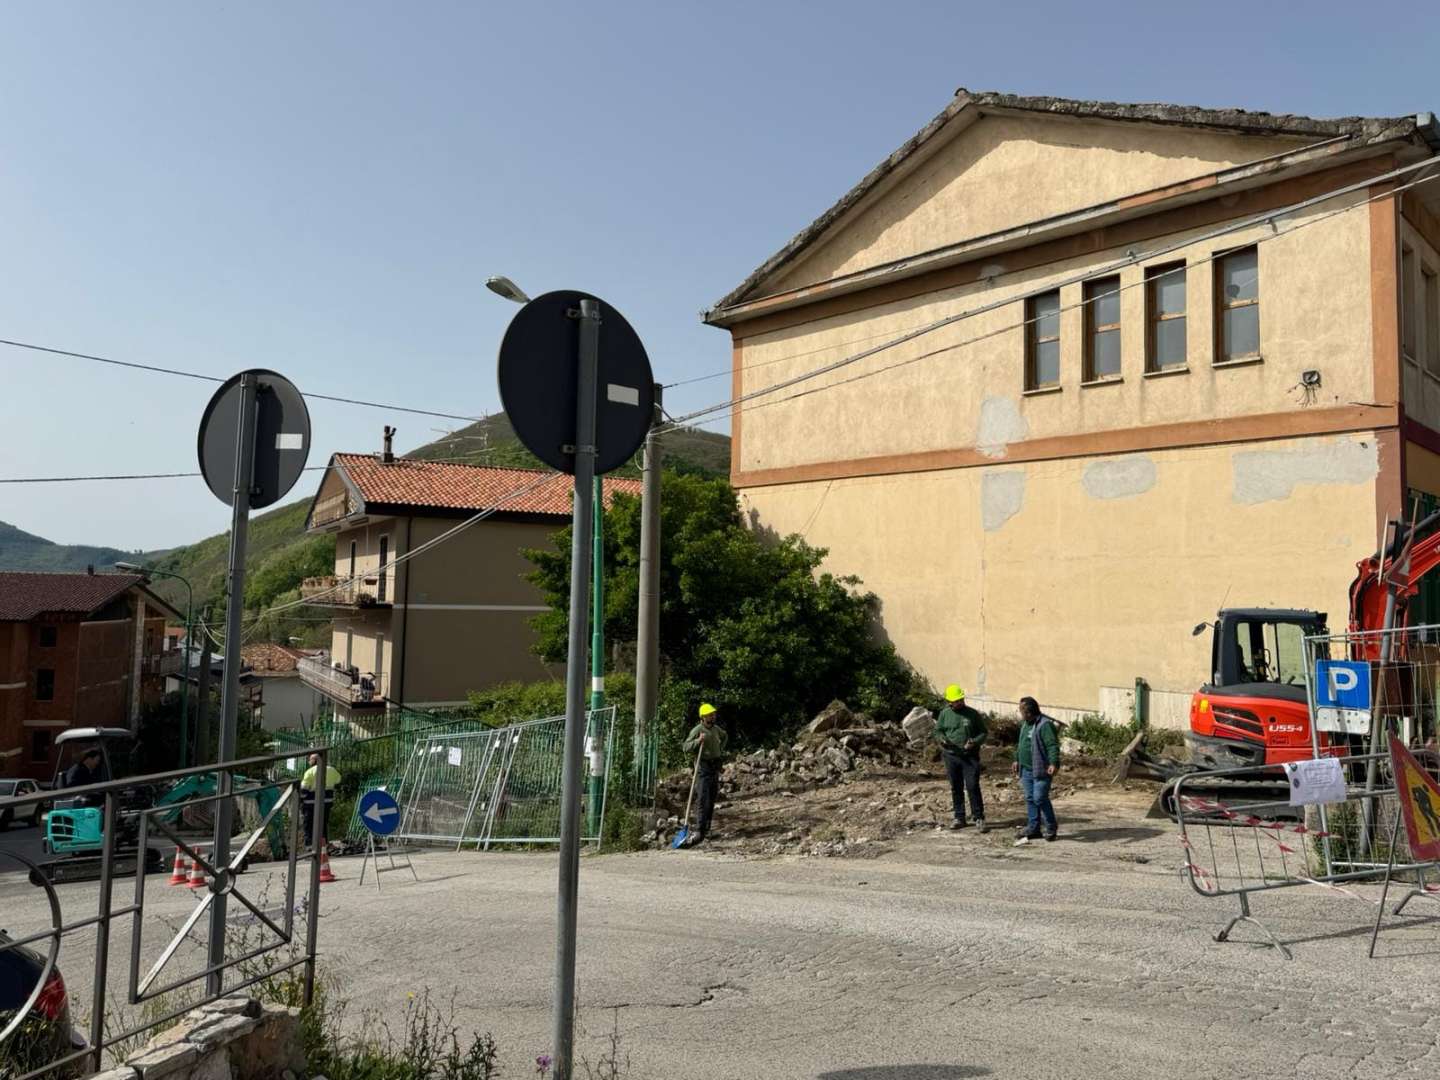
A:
(707, 709)
(954, 692)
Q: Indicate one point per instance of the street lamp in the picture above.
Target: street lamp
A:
(503, 286)
(185, 656)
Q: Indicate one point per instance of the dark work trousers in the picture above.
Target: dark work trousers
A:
(707, 786)
(963, 768)
(307, 815)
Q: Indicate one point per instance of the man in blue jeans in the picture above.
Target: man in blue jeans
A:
(1037, 756)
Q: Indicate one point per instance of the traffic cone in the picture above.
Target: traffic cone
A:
(325, 875)
(180, 875)
(197, 876)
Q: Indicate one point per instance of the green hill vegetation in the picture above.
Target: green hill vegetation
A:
(20, 550)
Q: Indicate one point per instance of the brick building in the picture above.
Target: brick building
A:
(77, 650)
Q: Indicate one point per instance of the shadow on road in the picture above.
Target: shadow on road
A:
(907, 1072)
(1095, 836)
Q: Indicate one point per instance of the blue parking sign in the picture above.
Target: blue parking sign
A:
(1342, 696)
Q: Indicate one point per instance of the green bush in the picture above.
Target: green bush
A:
(623, 828)
(1098, 736)
(748, 621)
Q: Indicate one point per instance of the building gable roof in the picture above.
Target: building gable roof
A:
(403, 485)
(968, 105)
(26, 595)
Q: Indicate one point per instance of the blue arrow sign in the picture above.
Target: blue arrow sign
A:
(379, 812)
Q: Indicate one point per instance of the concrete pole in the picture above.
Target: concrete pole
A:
(647, 645)
(571, 772)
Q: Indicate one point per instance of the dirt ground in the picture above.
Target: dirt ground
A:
(866, 812)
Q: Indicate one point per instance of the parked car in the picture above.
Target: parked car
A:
(11, 789)
(47, 1034)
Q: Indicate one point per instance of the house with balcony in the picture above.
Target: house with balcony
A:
(424, 631)
(76, 649)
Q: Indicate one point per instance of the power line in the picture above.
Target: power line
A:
(729, 406)
(211, 378)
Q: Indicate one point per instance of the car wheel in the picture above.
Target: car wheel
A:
(35, 818)
(4, 820)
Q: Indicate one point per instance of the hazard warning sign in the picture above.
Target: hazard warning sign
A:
(1419, 802)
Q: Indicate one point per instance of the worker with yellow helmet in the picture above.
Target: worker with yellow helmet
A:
(706, 739)
(961, 731)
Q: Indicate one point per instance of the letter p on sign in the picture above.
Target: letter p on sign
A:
(1342, 680)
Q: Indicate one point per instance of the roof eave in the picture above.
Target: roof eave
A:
(968, 106)
(1328, 154)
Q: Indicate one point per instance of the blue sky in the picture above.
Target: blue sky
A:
(322, 188)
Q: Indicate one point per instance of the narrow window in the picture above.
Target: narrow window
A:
(40, 746)
(1042, 354)
(48, 636)
(1237, 305)
(1431, 283)
(45, 684)
(352, 560)
(1102, 329)
(1409, 314)
(384, 560)
(1165, 315)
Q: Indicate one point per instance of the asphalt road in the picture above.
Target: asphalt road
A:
(948, 958)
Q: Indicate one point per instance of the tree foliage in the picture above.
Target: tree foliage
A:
(748, 621)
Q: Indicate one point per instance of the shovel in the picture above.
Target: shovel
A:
(684, 833)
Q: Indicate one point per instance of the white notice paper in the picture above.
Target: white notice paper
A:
(454, 755)
(1311, 782)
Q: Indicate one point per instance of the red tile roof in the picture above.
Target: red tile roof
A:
(25, 595)
(447, 485)
(267, 657)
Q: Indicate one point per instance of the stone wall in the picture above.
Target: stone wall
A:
(235, 1038)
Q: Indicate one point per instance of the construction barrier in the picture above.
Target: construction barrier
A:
(501, 785)
(1243, 834)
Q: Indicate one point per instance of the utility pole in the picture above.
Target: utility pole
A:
(202, 695)
(647, 644)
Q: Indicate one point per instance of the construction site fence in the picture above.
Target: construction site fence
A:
(1241, 837)
(502, 785)
(377, 753)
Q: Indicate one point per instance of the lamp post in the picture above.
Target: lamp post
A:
(185, 658)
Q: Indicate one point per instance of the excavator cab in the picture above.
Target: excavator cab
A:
(1253, 708)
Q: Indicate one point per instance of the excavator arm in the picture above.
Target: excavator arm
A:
(1397, 570)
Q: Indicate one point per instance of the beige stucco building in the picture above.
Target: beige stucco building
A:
(426, 631)
(1148, 378)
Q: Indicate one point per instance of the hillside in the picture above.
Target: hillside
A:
(492, 441)
(280, 554)
(20, 550)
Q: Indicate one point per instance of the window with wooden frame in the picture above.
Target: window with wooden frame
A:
(1042, 340)
(1165, 317)
(1102, 329)
(1237, 306)
(1409, 306)
(1430, 286)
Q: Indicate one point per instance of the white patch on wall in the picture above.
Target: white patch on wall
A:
(1120, 478)
(1000, 425)
(1269, 475)
(1002, 494)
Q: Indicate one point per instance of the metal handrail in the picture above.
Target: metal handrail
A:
(222, 880)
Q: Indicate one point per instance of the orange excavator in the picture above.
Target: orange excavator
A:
(1253, 708)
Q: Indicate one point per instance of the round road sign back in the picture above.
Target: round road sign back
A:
(539, 376)
(282, 438)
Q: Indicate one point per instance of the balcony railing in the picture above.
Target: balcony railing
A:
(162, 663)
(347, 686)
(332, 591)
(332, 508)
